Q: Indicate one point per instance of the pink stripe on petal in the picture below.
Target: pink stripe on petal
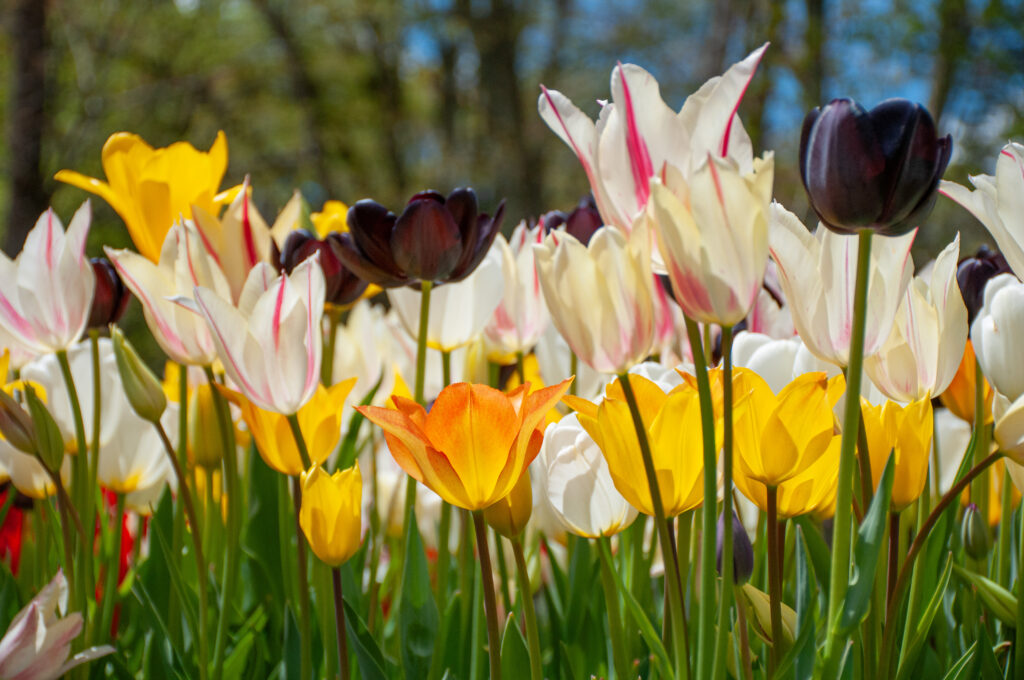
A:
(250, 244)
(169, 334)
(231, 359)
(276, 324)
(639, 157)
(311, 372)
(732, 116)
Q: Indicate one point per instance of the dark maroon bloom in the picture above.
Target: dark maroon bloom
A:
(343, 287)
(974, 272)
(434, 239)
(110, 298)
(876, 169)
(742, 550)
(582, 222)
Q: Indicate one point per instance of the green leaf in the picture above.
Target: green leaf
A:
(49, 441)
(803, 652)
(1001, 602)
(870, 537)
(417, 611)
(262, 546)
(371, 662)
(291, 661)
(989, 665)
(817, 549)
(515, 657)
(911, 648)
(452, 641)
(964, 668)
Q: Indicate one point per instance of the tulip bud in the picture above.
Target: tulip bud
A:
(144, 391)
(584, 221)
(509, 515)
(16, 425)
(204, 437)
(974, 272)
(343, 287)
(974, 533)
(742, 550)
(49, 441)
(111, 296)
(876, 169)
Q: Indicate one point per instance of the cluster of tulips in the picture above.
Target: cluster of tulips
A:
(782, 453)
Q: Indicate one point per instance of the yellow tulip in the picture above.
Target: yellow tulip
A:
(331, 512)
(319, 420)
(906, 431)
(673, 426)
(812, 491)
(509, 515)
(149, 188)
(332, 217)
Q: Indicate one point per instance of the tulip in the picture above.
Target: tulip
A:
(38, 641)
(330, 218)
(110, 297)
(434, 239)
(271, 343)
(673, 427)
(817, 273)
(343, 287)
(996, 203)
(996, 331)
(770, 315)
(319, 421)
(473, 445)
(921, 355)
(600, 296)
(743, 551)
(876, 169)
(510, 514)
(583, 222)
(973, 273)
(959, 395)
(150, 188)
(772, 359)
(46, 292)
(906, 432)
(577, 484)
(331, 512)
(185, 262)
(520, 318)
(638, 134)
(144, 392)
(458, 311)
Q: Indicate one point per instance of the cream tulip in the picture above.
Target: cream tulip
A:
(997, 332)
(923, 350)
(46, 292)
(520, 318)
(600, 296)
(817, 274)
(998, 203)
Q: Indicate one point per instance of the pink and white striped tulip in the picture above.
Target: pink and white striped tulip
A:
(38, 641)
(924, 348)
(521, 316)
(270, 343)
(998, 203)
(817, 273)
(185, 263)
(638, 133)
(46, 292)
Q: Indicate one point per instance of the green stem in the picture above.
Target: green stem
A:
(490, 602)
(327, 365)
(113, 569)
(894, 555)
(839, 576)
(1002, 564)
(705, 624)
(529, 615)
(92, 461)
(339, 619)
(1018, 641)
(178, 528)
(980, 486)
(673, 590)
(774, 579)
(520, 368)
(421, 376)
(573, 369)
(611, 597)
(444, 531)
(300, 441)
(306, 639)
(725, 599)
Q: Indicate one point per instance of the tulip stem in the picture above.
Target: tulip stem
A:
(113, 570)
(92, 461)
(529, 615)
(728, 577)
(888, 636)
(306, 640)
(573, 369)
(1018, 641)
(520, 368)
(894, 555)
(300, 441)
(333, 315)
(839, 576)
(980, 487)
(490, 602)
(673, 590)
(774, 577)
(197, 544)
(421, 376)
(445, 528)
(705, 624)
(339, 620)
(611, 598)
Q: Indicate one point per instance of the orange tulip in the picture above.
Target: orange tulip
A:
(474, 444)
(959, 396)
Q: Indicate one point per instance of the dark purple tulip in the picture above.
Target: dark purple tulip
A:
(742, 550)
(343, 287)
(974, 272)
(434, 239)
(111, 297)
(876, 169)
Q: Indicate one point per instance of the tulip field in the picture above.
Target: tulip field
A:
(678, 432)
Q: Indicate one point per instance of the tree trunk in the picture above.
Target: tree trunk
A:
(28, 198)
(951, 46)
(813, 76)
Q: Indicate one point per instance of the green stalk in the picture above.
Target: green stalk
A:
(300, 554)
(839, 576)
(1018, 641)
(1002, 562)
(705, 624)
(339, 619)
(92, 461)
(611, 597)
(529, 615)
(113, 567)
(725, 599)
(673, 590)
(774, 579)
(444, 531)
(520, 368)
(980, 487)
(490, 602)
(421, 376)
(573, 369)
(327, 365)
(178, 527)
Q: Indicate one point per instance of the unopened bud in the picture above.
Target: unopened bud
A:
(974, 533)
(111, 296)
(144, 391)
(509, 515)
(204, 436)
(742, 550)
(49, 441)
(16, 425)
